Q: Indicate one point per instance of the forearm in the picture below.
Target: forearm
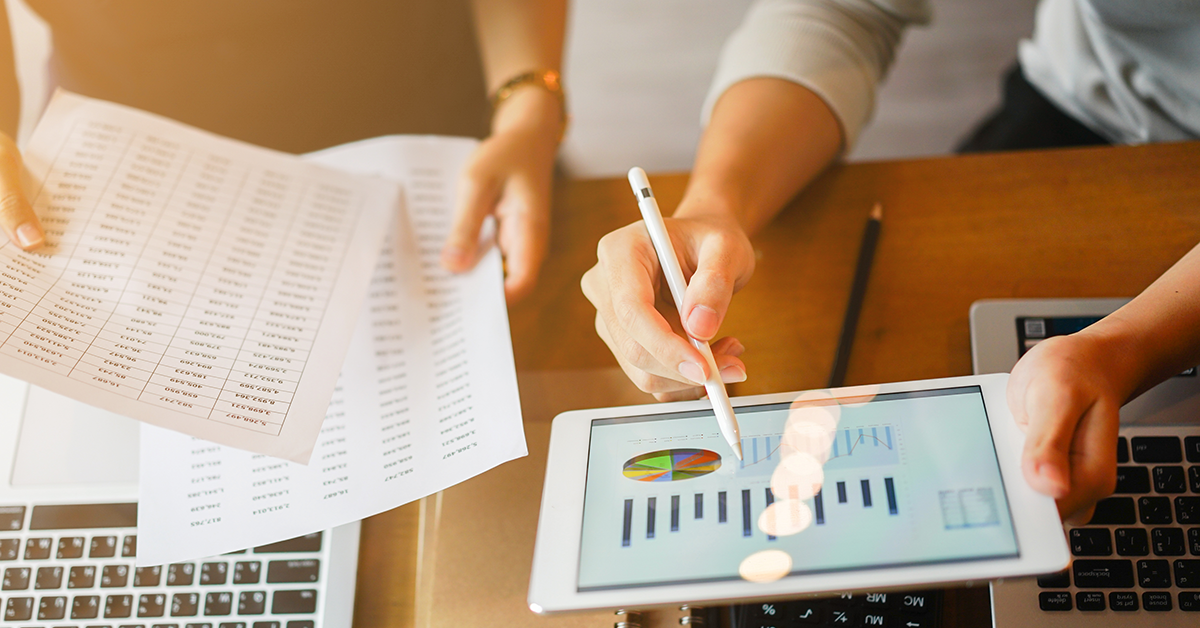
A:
(517, 36)
(10, 94)
(767, 139)
(1157, 335)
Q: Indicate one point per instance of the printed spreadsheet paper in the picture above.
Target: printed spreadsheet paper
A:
(427, 397)
(187, 280)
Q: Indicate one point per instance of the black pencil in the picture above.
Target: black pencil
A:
(862, 271)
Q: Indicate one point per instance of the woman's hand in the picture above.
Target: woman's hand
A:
(16, 215)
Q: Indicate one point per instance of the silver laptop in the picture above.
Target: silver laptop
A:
(1137, 562)
(68, 538)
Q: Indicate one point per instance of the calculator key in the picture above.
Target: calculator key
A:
(114, 576)
(804, 613)
(1133, 480)
(1189, 601)
(1114, 511)
(877, 600)
(874, 619)
(291, 602)
(1167, 541)
(1187, 574)
(916, 602)
(1154, 510)
(1054, 600)
(299, 570)
(840, 616)
(129, 546)
(12, 518)
(185, 604)
(1156, 601)
(37, 549)
(1157, 449)
(85, 607)
(1132, 541)
(70, 547)
(252, 603)
(180, 574)
(152, 605)
(16, 578)
(18, 609)
(1123, 601)
(213, 573)
(103, 547)
(1154, 574)
(81, 577)
(118, 606)
(1091, 542)
(1170, 480)
(1191, 445)
(1122, 450)
(9, 548)
(54, 607)
(48, 578)
(1187, 510)
(247, 572)
(1102, 574)
(307, 543)
(1089, 601)
(218, 604)
(147, 576)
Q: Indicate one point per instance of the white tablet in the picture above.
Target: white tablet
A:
(869, 487)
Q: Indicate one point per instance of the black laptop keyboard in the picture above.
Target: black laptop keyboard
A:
(1141, 549)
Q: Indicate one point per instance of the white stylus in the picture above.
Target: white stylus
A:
(674, 274)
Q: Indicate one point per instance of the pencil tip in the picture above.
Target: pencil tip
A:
(877, 212)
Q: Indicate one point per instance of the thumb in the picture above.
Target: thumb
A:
(1054, 412)
(709, 292)
(16, 215)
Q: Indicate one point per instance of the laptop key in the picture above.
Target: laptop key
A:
(1133, 480)
(252, 603)
(1154, 510)
(81, 577)
(1089, 601)
(185, 604)
(1170, 480)
(54, 607)
(308, 570)
(18, 609)
(307, 543)
(1187, 574)
(37, 549)
(1191, 445)
(1194, 541)
(1157, 601)
(1132, 541)
(16, 579)
(1156, 449)
(213, 573)
(103, 547)
(147, 576)
(114, 576)
(1055, 600)
(152, 605)
(218, 604)
(12, 518)
(232, 624)
(308, 623)
(1084, 542)
(247, 572)
(1194, 478)
(266, 624)
(1122, 450)
(291, 602)
(1168, 541)
(9, 549)
(1154, 574)
(1102, 574)
(1187, 510)
(118, 606)
(48, 578)
(1123, 601)
(129, 546)
(180, 574)
(70, 547)
(1189, 601)
(1114, 511)
(85, 607)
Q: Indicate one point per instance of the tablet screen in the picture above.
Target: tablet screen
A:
(827, 484)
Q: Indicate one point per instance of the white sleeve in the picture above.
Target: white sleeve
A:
(839, 49)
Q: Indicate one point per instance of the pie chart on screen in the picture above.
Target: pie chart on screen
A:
(669, 465)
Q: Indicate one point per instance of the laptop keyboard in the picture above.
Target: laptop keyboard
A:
(71, 566)
(1141, 549)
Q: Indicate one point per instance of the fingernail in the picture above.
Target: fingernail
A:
(29, 235)
(692, 372)
(702, 322)
(736, 349)
(733, 374)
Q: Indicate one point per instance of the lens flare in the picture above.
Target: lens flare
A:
(765, 566)
(784, 518)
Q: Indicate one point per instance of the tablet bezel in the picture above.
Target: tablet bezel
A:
(554, 579)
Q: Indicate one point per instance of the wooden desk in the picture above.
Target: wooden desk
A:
(1072, 223)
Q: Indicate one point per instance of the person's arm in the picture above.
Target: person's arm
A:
(16, 215)
(511, 172)
(795, 84)
(1067, 391)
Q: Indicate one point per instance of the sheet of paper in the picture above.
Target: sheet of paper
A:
(427, 397)
(188, 280)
